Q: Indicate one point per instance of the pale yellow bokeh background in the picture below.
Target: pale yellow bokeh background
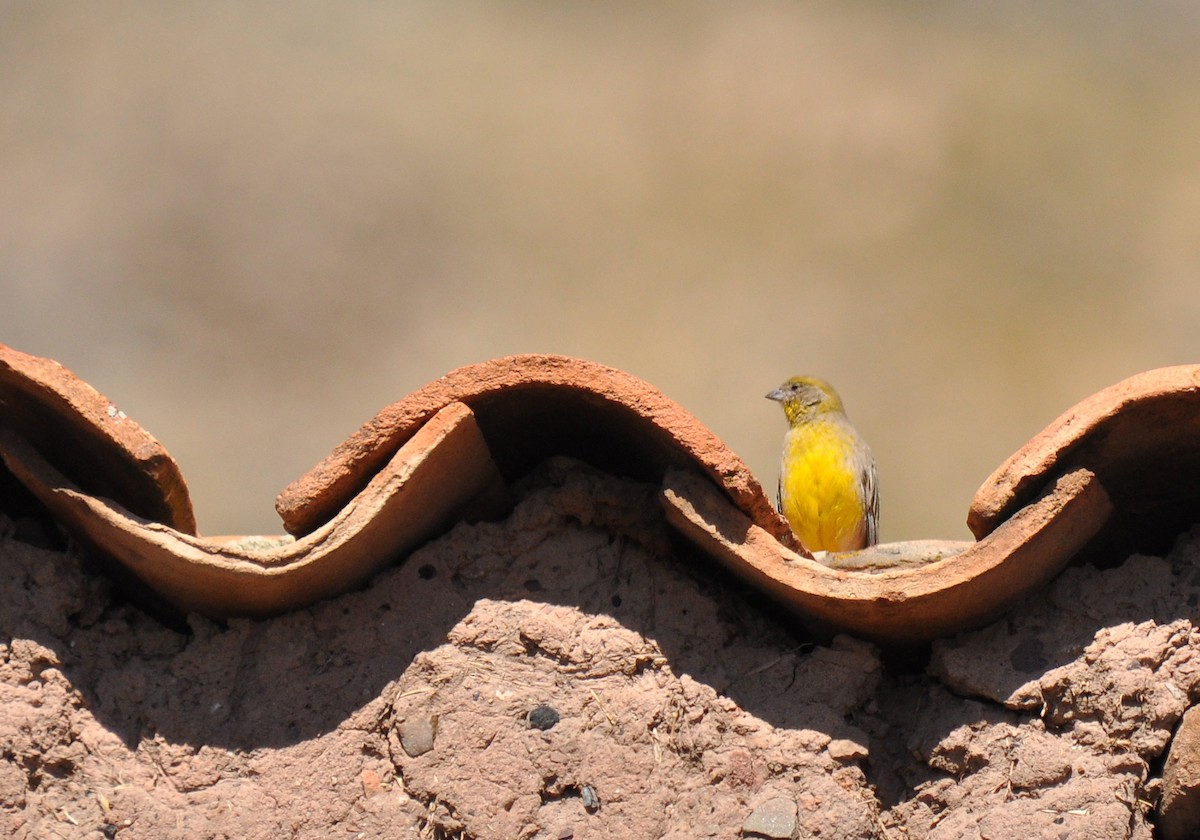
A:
(254, 225)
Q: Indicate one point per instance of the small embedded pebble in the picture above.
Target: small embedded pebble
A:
(775, 818)
(543, 718)
(842, 749)
(416, 736)
(591, 802)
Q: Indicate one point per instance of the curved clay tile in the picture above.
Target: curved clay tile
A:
(83, 434)
(1141, 437)
(417, 492)
(528, 408)
(936, 589)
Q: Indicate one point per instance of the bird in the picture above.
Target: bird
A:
(828, 482)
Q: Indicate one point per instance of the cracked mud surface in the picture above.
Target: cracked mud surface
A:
(669, 701)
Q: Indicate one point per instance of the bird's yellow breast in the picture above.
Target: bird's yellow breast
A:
(820, 490)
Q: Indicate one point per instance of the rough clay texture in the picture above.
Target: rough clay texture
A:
(684, 709)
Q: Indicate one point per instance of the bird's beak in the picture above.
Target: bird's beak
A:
(777, 395)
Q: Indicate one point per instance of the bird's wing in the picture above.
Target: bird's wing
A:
(868, 482)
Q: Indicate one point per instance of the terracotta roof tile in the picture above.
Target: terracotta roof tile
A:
(951, 587)
(1140, 436)
(417, 492)
(87, 437)
(530, 407)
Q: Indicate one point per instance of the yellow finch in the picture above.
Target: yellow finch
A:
(827, 479)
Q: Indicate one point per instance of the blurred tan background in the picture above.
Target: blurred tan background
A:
(254, 225)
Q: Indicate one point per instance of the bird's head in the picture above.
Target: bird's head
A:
(806, 397)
